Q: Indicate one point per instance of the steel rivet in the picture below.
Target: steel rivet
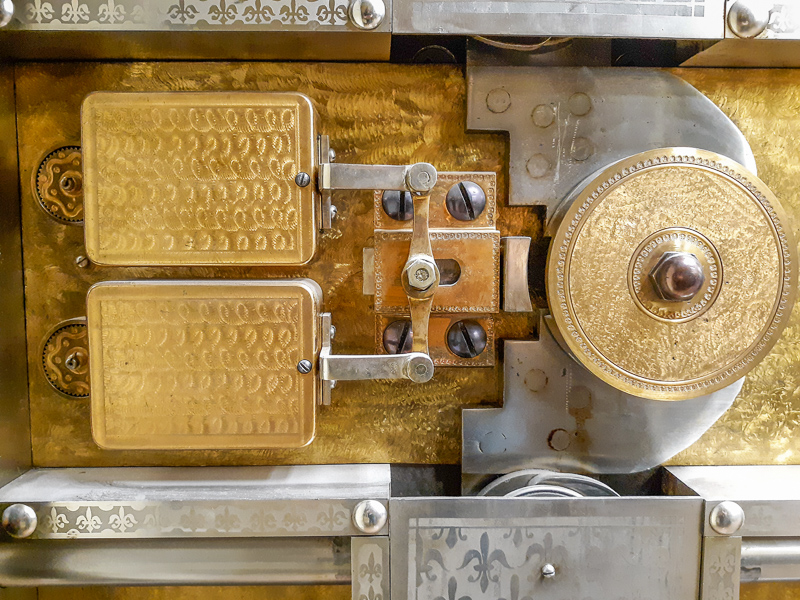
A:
(302, 179)
(559, 440)
(6, 12)
(543, 116)
(726, 518)
(466, 339)
(465, 201)
(367, 14)
(19, 520)
(498, 100)
(579, 104)
(748, 18)
(304, 366)
(537, 166)
(581, 149)
(369, 516)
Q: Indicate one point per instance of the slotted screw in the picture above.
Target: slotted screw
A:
(397, 337)
(398, 205)
(302, 179)
(466, 339)
(304, 366)
(466, 201)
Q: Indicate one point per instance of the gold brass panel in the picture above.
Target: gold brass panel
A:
(192, 364)
(477, 289)
(196, 178)
(439, 216)
(437, 340)
(594, 302)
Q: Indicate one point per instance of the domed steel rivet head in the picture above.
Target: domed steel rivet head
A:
(537, 166)
(748, 18)
(302, 179)
(579, 104)
(548, 571)
(367, 14)
(398, 205)
(581, 149)
(304, 366)
(397, 337)
(369, 516)
(677, 276)
(6, 12)
(466, 339)
(543, 116)
(465, 201)
(726, 518)
(19, 520)
(498, 100)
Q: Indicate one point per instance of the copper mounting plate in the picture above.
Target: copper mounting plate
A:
(198, 178)
(696, 348)
(194, 364)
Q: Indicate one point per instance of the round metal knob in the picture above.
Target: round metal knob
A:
(19, 520)
(367, 14)
(6, 12)
(678, 276)
(726, 518)
(369, 516)
(748, 18)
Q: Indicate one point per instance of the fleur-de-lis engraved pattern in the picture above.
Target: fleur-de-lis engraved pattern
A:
(258, 13)
(54, 521)
(226, 520)
(333, 517)
(122, 521)
(74, 12)
(372, 570)
(294, 12)
(476, 561)
(223, 12)
(111, 12)
(182, 11)
(332, 12)
(88, 522)
(370, 557)
(39, 11)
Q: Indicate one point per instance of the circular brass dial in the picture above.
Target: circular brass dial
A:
(672, 273)
(58, 184)
(65, 358)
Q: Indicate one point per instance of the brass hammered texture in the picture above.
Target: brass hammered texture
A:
(65, 358)
(374, 113)
(58, 184)
(185, 365)
(603, 230)
(763, 425)
(198, 178)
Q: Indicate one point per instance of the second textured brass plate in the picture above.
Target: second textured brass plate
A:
(598, 271)
(193, 364)
(198, 178)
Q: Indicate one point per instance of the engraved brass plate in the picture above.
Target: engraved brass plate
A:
(477, 289)
(198, 178)
(726, 220)
(193, 364)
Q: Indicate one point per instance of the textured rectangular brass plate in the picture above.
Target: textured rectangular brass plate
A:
(194, 364)
(198, 178)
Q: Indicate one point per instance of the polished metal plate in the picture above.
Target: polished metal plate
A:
(194, 364)
(198, 178)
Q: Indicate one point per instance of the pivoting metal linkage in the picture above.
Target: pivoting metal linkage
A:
(420, 274)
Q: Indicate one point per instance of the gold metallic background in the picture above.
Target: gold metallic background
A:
(374, 113)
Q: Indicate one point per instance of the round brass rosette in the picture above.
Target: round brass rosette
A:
(672, 273)
(58, 184)
(65, 358)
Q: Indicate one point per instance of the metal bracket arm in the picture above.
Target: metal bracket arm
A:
(416, 366)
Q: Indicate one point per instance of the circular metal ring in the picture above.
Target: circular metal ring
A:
(65, 358)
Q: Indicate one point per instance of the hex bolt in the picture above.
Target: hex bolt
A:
(369, 516)
(548, 571)
(19, 520)
(304, 366)
(465, 201)
(397, 337)
(302, 179)
(421, 274)
(398, 205)
(466, 339)
(82, 262)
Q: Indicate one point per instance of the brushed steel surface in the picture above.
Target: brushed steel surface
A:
(684, 350)
(155, 563)
(195, 178)
(193, 364)
(599, 116)
(681, 19)
(770, 559)
(599, 547)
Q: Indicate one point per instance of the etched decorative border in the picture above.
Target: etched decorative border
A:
(69, 520)
(172, 14)
(568, 232)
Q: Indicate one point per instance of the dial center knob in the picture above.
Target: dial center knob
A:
(678, 276)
